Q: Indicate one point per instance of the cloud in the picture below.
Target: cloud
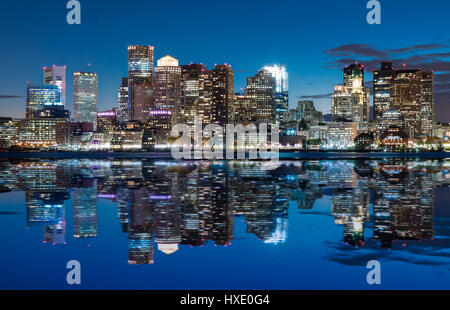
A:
(356, 49)
(9, 96)
(427, 57)
(371, 56)
(318, 96)
(418, 48)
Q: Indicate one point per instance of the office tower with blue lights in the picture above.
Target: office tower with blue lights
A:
(85, 97)
(56, 76)
(140, 82)
(39, 97)
(280, 75)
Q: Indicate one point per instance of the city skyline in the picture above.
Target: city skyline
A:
(314, 68)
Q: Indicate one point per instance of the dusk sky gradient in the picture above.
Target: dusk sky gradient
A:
(315, 39)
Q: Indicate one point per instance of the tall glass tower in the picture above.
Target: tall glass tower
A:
(140, 81)
(56, 76)
(85, 97)
(40, 97)
(280, 75)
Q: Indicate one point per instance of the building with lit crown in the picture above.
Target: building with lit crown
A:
(164, 112)
(281, 77)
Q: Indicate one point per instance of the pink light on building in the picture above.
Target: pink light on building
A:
(106, 114)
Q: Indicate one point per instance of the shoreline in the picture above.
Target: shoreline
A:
(168, 155)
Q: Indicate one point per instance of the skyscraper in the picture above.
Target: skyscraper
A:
(192, 90)
(411, 94)
(261, 88)
(306, 111)
(142, 101)
(85, 97)
(381, 89)
(222, 93)
(351, 102)
(140, 78)
(243, 110)
(280, 75)
(39, 97)
(56, 76)
(167, 93)
(122, 94)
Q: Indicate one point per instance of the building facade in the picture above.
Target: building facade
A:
(341, 135)
(411, 94)
(222, 95)
(122, 98)
(56, 76)
(40, 97)
(281, 77)
(85, 97)
(382, 89)
(261, 88)
(164, 112)
(351, 102)
(140, 81)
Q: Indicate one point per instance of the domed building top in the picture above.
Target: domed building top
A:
(168, 248)
(167, 61)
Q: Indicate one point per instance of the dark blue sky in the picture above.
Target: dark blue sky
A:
(313, 38)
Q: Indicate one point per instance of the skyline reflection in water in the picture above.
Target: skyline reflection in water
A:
(172, 207)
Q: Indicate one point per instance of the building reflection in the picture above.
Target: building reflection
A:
(164, 205)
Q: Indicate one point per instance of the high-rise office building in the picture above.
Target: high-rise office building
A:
(107, 121)
(192, 91)
(122, 97)
(411, 94)
(140, 80)
(351, 102)
(56, 76)
(85, 97)
(142, 101)
(306, 111)
(280, 75)
(222, 96)
(341, 104)
(167, 93)
(381, 89)
(243, 110)
(85, 218)
(41, 97)
(261, 88)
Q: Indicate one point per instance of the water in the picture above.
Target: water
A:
(154, 224)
